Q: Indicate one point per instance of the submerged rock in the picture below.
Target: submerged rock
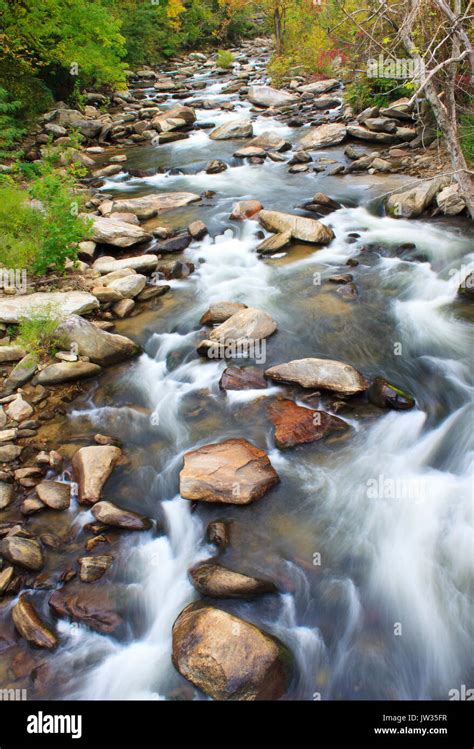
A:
(26, 552)
(242, 378)
(92, 467)
(227, 657)
(385, 395)
(90, 605)
(29, 625)
(295, 425)
(327, 374)
(233, 472)
(212, 579)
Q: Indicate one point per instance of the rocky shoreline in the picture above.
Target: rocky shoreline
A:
(103, 288)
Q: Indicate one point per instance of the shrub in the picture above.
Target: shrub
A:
(224, 58)
(466, 137)
(10, 130)
(37, 333)
(375, 92)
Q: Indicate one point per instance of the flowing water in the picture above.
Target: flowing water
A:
(369, 536)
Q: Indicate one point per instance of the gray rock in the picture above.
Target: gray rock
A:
(12, 309)
(55, 374)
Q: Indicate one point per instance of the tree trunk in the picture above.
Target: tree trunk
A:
(278, 31)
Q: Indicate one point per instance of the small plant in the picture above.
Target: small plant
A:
(366, 92)
(37, 334)
(224, 58)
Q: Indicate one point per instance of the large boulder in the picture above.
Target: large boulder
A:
(54, 494)
(117, 233)
(411, 203)
(14, 308)
(92, 467)
(173, 119)
(148, 206)
(99, 346)
(363, 133)
(326, 374)
(56, 374)
(26, 552)
(304, 229)
(449, 201)
(266, 96)
(212, 579)
(90, 605)
(295, 425)
(233, 129)
(229, 472)
(323, 135)
(227, 657)
(29, 625)
(116, 517)
(219, 312)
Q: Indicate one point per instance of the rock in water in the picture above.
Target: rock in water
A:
(212, 579)
(327, 374)
(92, 467)
(149, 205)
(242, 378)
(91, 605)
(266, 96)
(219, 312)
(384, 395)
(110, 514)
(411, 203)
(295, 425)
(26, 552)
(54, 494)
(229, 472)
(92, 568)
(322, 136)
(305, 229)
(233, 129)
(29, 625)
(249, 324)
(100, 347)
(227, 657)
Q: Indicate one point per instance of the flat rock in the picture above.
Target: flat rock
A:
(305, 229)
(242, 378)
(319, 87)
(248, 324)
(11, 353)
(323, 135)
(212, 579)
(295, 425)
(229, 472)
(12, 309)
(90, 605)
(327, 374)
(273, 244)
(117, 233)
(150, 205)
(219, 312)
(363, 133)
(30, 626)
(55, 374)
(92, 467)
(140, 263)
(110, 514)
(269, 141)
(227, 657)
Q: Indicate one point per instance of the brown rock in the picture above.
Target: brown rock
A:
(233, 472)
(94, 606)
(212, 579)
(26, 552)
(218, 533)
(295, 425)
(227, 657)
(54, 494)
(242, 378)
(92, 467)
(30, 626)
(327, 374)
(245, 209)
(110, 514)
(92, 568)
(220, 312)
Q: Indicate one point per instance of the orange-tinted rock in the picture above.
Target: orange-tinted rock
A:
(295, 425)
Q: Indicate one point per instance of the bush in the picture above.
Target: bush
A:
(224, 58)
(37, 333)
(10, 130)
(466, 137)
(366, 92)
(43, 233)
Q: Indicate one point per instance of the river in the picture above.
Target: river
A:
(369, 535)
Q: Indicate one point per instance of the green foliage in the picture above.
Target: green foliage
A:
(466, 137)
(10, 131)
(37, 332)
(224, 58)
(374, 92)
(43, 233)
